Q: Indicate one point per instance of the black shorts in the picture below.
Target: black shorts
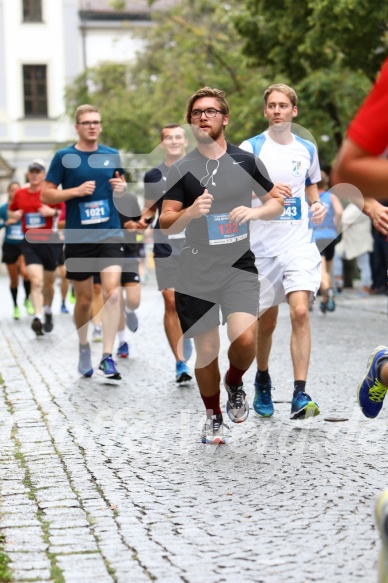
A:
(166, 269)
(206, 284)
(87, 259)
(45, 254)
(129, 274)
(326, 247)
(11, 252)
(61, 254)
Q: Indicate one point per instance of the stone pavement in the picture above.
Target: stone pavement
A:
(112, 485)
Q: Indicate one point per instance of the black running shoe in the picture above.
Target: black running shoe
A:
(37, 327)
(48, 323)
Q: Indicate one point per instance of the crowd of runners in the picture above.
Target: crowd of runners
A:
(237, 230)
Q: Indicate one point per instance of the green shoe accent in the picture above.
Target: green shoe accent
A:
(29, 307)
(312, 410)
(16, 313)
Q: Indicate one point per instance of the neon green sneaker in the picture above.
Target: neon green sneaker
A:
(16, 313)
(72, 296)
(29, 307)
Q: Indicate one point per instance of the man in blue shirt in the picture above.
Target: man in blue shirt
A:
(90, 174)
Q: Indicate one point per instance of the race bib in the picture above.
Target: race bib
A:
(34, 221)
(292, 210)
(15, 232)
(94, 212)
(221, 231)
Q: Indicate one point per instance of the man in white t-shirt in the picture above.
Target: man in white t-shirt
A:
(287, 259)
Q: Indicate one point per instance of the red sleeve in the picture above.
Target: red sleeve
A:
(62, 215)
(13, 206)
(369, 128)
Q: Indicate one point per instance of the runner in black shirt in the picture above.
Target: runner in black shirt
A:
(209, 193)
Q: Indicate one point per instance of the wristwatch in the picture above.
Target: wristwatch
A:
(317, 201)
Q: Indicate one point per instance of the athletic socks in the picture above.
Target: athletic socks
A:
(234, 375)
(212, 404)
(14, 294)
(27, 287)
(299, 386)
(262, 376)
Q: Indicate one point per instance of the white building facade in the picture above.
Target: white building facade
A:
(45, 45)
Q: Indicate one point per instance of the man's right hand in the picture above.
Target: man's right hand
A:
(87, 188)
(202, 205)
(284, 189)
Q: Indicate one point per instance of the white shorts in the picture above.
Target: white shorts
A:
(297, 269)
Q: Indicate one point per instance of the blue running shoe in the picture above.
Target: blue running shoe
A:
(262, 402)
(213, 430)
(64, 309)
(302, 406)
(182, 372)
(330, 304)
(237, 406)
(107, 370)
(132, 321)
(187, 348)
(371, 391)
(85, 367)
(123, 350)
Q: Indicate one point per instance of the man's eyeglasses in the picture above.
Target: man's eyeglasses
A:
(209, 112)
(88, 124)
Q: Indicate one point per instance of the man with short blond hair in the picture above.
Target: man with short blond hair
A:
(90, 173)
(287, 258)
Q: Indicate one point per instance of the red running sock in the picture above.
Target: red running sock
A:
(234, 375)
(212, 404)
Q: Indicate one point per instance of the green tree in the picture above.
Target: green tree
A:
(328, 50)
(194, 45)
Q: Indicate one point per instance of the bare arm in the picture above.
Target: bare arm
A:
(318, 211)
(148, 214)
(175, 218)
(338, 211)
(357, 166)
(272, 207)
(378, 213)
(51, 194)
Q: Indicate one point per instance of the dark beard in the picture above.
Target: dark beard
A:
(207, 138)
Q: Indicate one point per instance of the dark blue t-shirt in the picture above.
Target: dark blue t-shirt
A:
(94, 214)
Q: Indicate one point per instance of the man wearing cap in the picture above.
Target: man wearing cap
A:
(40, 253)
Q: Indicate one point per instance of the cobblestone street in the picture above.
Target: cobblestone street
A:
(110, 484)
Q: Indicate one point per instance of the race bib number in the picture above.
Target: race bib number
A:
(292, 210)
(94, 212)
(14, 232)
(221, 231)
(34, 221)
